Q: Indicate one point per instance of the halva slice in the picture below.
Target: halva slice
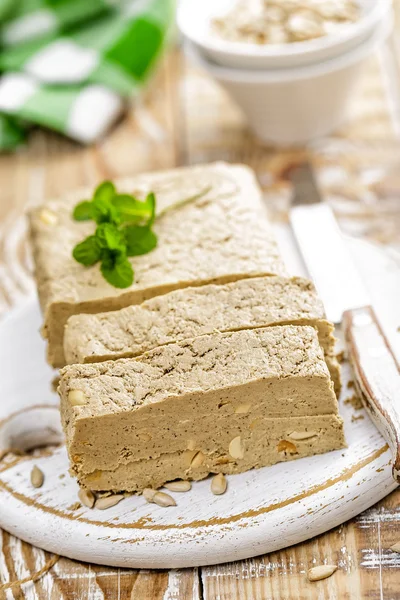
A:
(188, 313)
(220, 235)
(220, 403)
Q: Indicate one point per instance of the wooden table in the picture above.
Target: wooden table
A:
(184, 119)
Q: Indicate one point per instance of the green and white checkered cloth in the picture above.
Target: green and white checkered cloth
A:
(70, 65)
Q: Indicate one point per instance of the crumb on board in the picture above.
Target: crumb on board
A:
(54, 383)
(356, 418)
(350, 384)
(355, 401)
(74, 506)
(340, 356)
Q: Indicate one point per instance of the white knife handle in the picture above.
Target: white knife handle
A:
(377, 375)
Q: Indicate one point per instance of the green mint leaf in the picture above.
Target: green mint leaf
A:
(124, 228)
(131, 210)
(83, 211)
(151, 201)
(117, 270)
(140, 239)
(105, 191)
(87, 252)
(110, 237)
(104, 211)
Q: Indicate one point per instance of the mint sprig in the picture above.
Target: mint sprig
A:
(124, 228)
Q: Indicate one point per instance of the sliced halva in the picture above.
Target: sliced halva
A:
(224, 402)
(188, 313)
(212, 227)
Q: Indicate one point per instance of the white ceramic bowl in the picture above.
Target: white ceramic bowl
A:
(295, 106)
(194, 17)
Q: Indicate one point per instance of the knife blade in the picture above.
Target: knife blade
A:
(340, 286)
(324, 250)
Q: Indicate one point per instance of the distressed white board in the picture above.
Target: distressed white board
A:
(262, 511)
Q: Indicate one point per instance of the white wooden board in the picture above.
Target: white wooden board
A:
(262, 511)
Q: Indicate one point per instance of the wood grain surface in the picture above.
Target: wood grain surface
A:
(185, 118)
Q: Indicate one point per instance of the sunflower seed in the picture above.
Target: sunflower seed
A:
(163, 499)
(223, 403)
(285, 446)
(197, 460)
(242, 409)
(87, 498)
(145, 437)
(303, 25)
(37, 477)
(108, 501)
(187, 456)
(321, 572)
(76, 398)
(277, 34)
(284, 21)
(149, 494)
(302, 435)
(47, 217)
(218, 484)
(236, 449)
(178, 486)
(255, 423)
(222, 460)
(274, 14)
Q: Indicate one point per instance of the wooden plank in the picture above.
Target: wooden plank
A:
(77, 581)
(74, 581)
(360, 548)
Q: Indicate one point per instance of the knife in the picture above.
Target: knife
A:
(346, 301)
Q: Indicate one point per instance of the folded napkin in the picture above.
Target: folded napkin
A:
(71, 65)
